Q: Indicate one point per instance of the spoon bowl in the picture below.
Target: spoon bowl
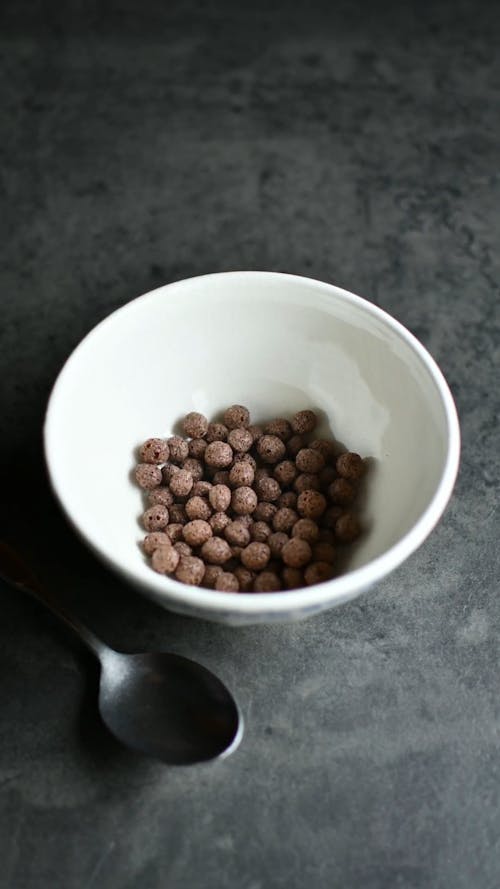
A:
(167, 706)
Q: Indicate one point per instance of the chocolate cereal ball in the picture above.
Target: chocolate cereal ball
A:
(237, 416)
(260, 531)
(178, 514)
(341, 492)
(267, 489)
(306, 529)
(218, 522)
(219, 454)
(201, 489)
(246, 520)
(195, 425)
(311, 504)
(216, 432)
(296, 553)
(245, 458)
(350, 466)
(284, 520)
(148, 476)
(154, 540)
(195, 533)
(216, 551)
(245, 578)
(244, 500)
(155, 518)
(190, 570)
(226, 582)
(257, 432)
(266, 582)
(237, 534)
(181, 483)
(309, 460)
(168, 471)
(161, 495)
(197, 448)
(271, 449)
(174, 531)
(165, 559)
(279, 427)
(294, 444)
(285, 472)
(195, 468)
(347, 527)
(241, 474)
(292, 578)
(324, 552)
(179, 450)
(240, 440)
(255, 556)
(318, 572)
(288, 499)
(306, 482)
(154, 450)
(220, 498)
(325, 447)
(198, 508)
(183, 548)
(276, 542)
(304, 421)
(211, 574)
(265, 512)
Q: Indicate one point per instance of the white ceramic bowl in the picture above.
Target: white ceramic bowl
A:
(277, 343)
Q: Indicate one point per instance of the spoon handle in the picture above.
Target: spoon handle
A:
(16, 573)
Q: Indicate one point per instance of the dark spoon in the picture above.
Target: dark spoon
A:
(158, 704)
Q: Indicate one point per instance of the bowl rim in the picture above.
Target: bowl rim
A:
(338, 589)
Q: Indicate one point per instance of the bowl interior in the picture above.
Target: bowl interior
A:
(275, 343)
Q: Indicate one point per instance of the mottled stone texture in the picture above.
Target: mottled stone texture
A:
(354, 142)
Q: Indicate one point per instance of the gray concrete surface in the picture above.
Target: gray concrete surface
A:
(357, 143)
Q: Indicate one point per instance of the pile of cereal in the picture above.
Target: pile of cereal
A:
(237, 507)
